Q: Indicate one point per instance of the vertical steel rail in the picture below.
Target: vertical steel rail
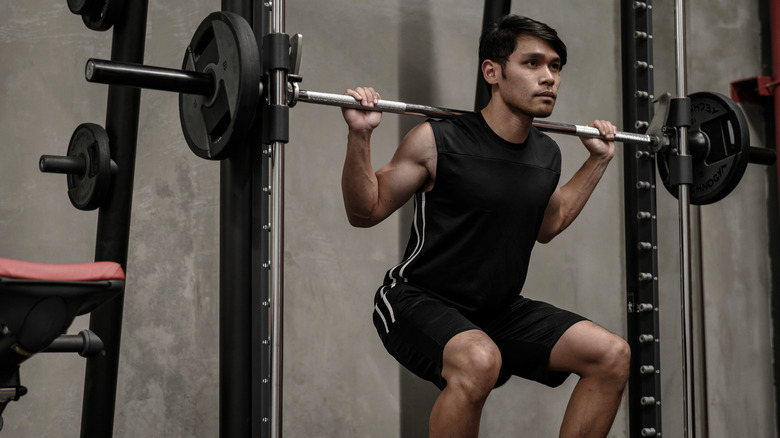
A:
(113, 229)
(641, 236)
(236, 274)
(689, 422)
(278, 96)
(261, 316)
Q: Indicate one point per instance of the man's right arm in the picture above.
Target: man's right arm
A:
(371, 196)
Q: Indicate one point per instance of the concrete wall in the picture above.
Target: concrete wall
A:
(338, 379)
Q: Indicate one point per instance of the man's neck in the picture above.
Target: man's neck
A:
(509, 125)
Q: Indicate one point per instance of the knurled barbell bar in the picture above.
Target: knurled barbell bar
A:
(345, 101)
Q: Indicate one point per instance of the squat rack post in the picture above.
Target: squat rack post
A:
(684, 203)
(276, 52)
(641, 235)
(242, 279)
(113, 228)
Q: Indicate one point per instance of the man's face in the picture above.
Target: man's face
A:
(530, 78)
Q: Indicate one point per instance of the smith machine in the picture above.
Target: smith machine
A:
(238, 80)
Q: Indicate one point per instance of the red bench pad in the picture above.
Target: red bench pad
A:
(50, 272)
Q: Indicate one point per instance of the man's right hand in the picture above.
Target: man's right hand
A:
(358, 120)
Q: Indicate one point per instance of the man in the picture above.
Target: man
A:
(485, 188)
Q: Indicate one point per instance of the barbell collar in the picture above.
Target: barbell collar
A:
(148, 77)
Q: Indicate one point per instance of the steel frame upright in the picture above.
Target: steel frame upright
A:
(243, 284)
(113, 228)
(641, 237)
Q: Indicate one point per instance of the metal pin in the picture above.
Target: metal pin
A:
(644, 339)
(644, 307)
(647, 401)
(645, 276)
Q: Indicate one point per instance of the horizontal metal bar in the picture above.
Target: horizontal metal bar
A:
(192, 82)
(346, 101)
(765, 156)
(386, 106)
(144, 76)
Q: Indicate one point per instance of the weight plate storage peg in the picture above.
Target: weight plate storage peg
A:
(224, 46)
(719, 144)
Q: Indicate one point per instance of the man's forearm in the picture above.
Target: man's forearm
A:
(358, 180)
(576, 192)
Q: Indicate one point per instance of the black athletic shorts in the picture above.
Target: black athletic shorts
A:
(415, 326)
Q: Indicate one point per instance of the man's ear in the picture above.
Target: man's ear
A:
(491, 71)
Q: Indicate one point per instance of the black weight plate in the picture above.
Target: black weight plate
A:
(87, 191)
(719, 142)
(225, 46)
(100, 16)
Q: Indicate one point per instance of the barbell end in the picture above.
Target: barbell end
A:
(89, 70)
(763, 156)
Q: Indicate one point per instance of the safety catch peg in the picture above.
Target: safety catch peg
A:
(88, 166)
(660, 141)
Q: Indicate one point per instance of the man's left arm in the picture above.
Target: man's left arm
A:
(567, 201)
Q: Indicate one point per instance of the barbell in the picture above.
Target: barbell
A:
(203, 84)
(221, 83)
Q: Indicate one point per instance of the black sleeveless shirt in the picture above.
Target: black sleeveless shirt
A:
(472, 234)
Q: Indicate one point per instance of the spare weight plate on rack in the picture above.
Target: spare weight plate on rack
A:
(225, 46)
(719, 144)
(97, 15)
(89, 189)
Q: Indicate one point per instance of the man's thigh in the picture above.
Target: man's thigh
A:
(526, 334)
(582, 346)
(415, 327)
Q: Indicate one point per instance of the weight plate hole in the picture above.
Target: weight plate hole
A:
(731, 137)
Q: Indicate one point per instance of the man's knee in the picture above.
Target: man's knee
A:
(616, 360)
(472, 366)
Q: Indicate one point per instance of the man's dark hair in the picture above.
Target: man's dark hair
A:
(499, 40)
